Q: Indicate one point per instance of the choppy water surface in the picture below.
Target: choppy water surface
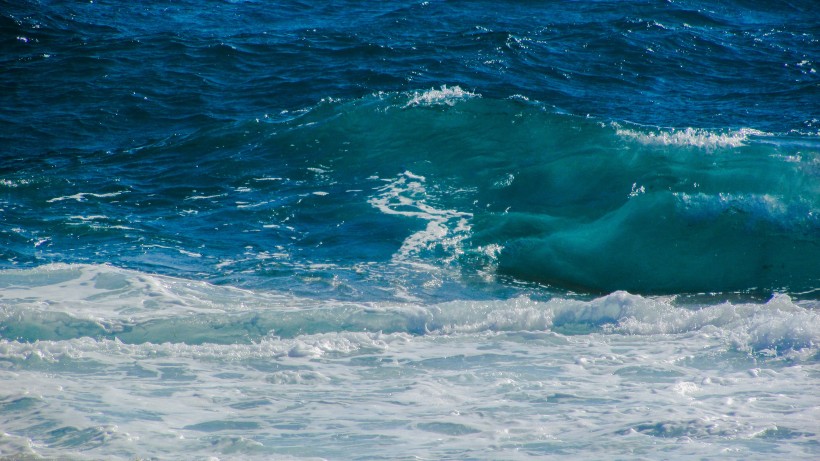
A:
(438, 230)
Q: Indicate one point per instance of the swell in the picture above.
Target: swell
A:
(446, 178)
(599, 207)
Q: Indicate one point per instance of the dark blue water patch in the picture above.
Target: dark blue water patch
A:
(114, 74)
(245, 142)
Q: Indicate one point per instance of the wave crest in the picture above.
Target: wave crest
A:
(690, 137)
(444, 96)
(200, 318)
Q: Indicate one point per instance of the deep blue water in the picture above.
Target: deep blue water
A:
(655, 147)
(403, 230)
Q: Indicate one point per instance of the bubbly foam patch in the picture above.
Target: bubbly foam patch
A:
(302, 348)
(83, 196)
(407, 195)
(59, 303)
(444, 96)
(772, 327)
(480, 376)
(690, 137)
(788, 214)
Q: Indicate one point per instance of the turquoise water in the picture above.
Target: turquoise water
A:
(448, 230)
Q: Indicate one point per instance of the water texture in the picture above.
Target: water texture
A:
(402, 230)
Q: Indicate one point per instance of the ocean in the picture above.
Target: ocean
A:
(347, 230)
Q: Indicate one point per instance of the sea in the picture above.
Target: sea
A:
(409, 230)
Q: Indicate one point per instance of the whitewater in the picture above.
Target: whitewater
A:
(254, 230)
(119, 364)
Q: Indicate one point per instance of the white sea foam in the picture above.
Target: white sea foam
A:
(81, 196)
(761, 206)
(288, 349)
(444, 96)
(446, 229)
(14, 183)
(204, 197)
(118, 302)
(505, 379)
(692, 137)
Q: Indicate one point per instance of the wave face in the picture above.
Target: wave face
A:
(400, 230)
(450, 179)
